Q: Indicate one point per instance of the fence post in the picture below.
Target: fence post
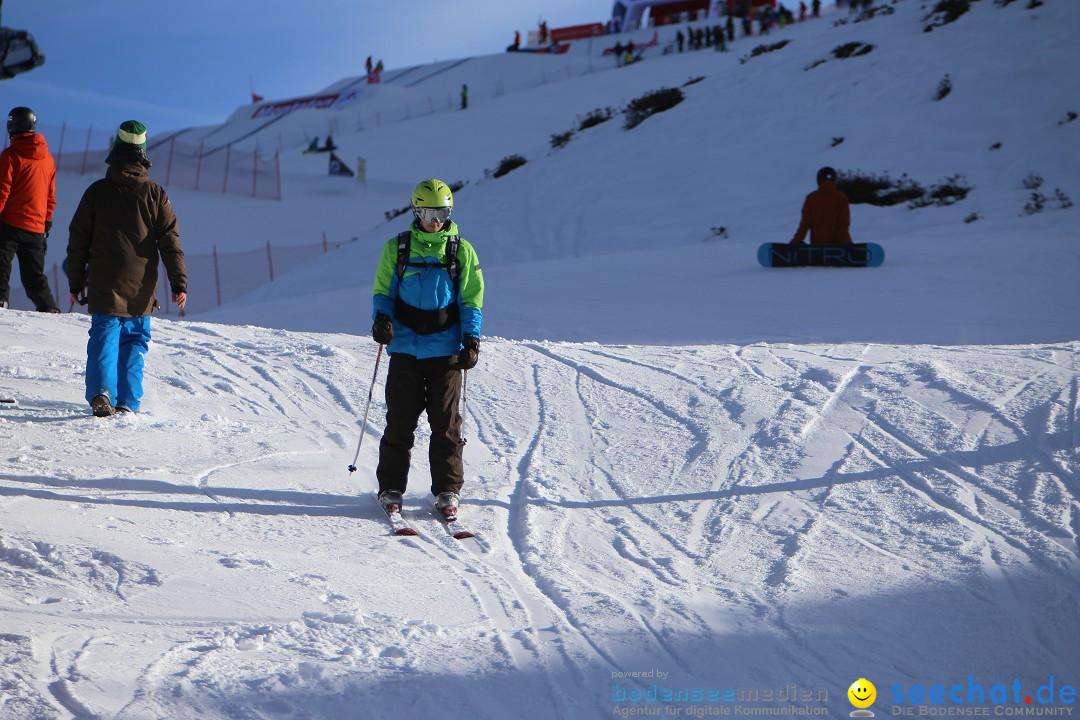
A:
(228, 157)
(168, 168)
(270, 260)
(254, 173)
(217, 277)
(198, 167)
(60, 152)
(86, 150)
(277, 163)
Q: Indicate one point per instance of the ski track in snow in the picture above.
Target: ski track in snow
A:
(634, 508)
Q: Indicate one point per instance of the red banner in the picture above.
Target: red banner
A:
(321, 102)
(575, 32)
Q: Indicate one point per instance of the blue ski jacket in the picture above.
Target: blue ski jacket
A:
(430, 288)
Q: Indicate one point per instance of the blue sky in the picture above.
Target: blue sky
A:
(174, 65)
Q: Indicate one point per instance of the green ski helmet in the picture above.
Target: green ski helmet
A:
(432, 194)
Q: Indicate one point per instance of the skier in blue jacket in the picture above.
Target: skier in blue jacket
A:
(428, 296)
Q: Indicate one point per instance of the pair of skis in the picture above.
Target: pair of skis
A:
(400, 526)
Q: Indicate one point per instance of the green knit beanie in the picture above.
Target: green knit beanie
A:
(131, 132)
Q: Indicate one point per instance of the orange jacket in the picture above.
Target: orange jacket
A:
(27, 183)
(826, 216)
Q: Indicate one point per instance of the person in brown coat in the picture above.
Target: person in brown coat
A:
(825, 213)
(27, 200)
(124, 226)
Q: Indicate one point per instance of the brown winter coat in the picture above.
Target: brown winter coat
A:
(123, 225)
(826, 215)
(27, 183)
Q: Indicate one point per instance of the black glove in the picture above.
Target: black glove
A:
(383, 329)
(468, 357)
(48, 227)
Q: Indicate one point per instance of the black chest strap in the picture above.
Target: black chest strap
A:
(428, 322)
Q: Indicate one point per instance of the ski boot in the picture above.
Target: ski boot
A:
(391, 501)
(447, 504)
(101, 406)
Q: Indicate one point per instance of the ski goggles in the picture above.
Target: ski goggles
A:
(442, 214)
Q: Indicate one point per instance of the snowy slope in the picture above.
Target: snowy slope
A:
(680, 465)
(737, 516)
(740, 153)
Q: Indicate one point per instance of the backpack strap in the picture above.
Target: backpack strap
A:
(403, 253)
(452, 264)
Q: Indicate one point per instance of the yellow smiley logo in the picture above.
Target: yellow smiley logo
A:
(862, 693)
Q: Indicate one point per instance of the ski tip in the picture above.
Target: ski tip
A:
(408, 532)
(463, 534)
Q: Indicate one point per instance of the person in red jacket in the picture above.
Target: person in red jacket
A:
(825, 213)
(27, 201)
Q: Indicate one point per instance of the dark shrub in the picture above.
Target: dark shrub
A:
(596, 117)
(851, 49)
(559, 140)
(651, 103)
(1032, 181)
(946, 11)
(762, 49)
(1036, 204)
(952, 190)
(944, 88)
(508, 163)
(878, 190)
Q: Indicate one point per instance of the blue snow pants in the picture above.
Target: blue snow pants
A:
(115, 358)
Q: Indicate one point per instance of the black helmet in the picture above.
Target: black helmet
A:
(21, 120)
(826, 173)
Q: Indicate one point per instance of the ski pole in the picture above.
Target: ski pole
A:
(464, 402)
(363, 425)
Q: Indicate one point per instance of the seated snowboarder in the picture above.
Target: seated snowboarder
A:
(825, 213)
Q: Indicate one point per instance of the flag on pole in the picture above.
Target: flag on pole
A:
(338, 168)
(256, 98)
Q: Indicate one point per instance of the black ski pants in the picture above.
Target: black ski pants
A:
(413, 386)
(30, 248)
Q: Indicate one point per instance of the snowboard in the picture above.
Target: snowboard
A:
(851, 255)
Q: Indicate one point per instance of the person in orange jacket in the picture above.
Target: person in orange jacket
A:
(825, 213)
(27, 201)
